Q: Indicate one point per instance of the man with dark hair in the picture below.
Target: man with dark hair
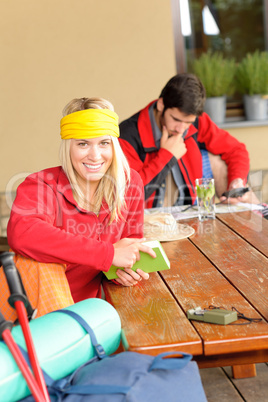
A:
(171, 142)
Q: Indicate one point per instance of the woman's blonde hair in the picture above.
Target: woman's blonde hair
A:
(113, 184)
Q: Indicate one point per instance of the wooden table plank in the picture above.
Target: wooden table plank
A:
(196, 282)
(151, 319)
(241, 263)
(249, 225)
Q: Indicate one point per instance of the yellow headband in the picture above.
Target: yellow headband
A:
(89, 123)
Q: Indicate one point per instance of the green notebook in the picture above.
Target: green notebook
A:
(146, 262)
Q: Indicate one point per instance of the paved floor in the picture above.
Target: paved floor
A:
(219, 385)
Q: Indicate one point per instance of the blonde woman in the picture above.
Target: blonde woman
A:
(88, 212)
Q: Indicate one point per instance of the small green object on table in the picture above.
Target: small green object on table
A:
(146, 263)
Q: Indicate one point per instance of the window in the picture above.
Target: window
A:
(234, 27)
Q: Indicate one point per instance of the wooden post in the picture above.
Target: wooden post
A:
(244, 371)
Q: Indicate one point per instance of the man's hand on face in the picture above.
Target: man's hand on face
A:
(174, 144)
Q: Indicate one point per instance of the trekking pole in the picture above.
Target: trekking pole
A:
(19, 301)
(5, 333)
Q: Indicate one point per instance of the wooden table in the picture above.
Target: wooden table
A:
(225, 263)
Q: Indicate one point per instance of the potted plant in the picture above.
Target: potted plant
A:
(216, 74)
(252, 82)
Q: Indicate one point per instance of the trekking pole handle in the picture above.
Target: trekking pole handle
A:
(13, 279)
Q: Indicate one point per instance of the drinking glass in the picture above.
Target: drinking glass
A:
(205, 189)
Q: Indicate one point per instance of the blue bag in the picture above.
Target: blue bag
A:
(128, 376)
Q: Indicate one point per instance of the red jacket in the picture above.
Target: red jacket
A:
(46, 224)
(137, 142)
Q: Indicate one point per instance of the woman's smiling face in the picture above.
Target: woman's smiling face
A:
(92, 157)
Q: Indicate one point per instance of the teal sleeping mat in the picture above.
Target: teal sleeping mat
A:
(61, 344)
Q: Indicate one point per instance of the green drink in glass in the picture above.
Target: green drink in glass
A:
(205, 189)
